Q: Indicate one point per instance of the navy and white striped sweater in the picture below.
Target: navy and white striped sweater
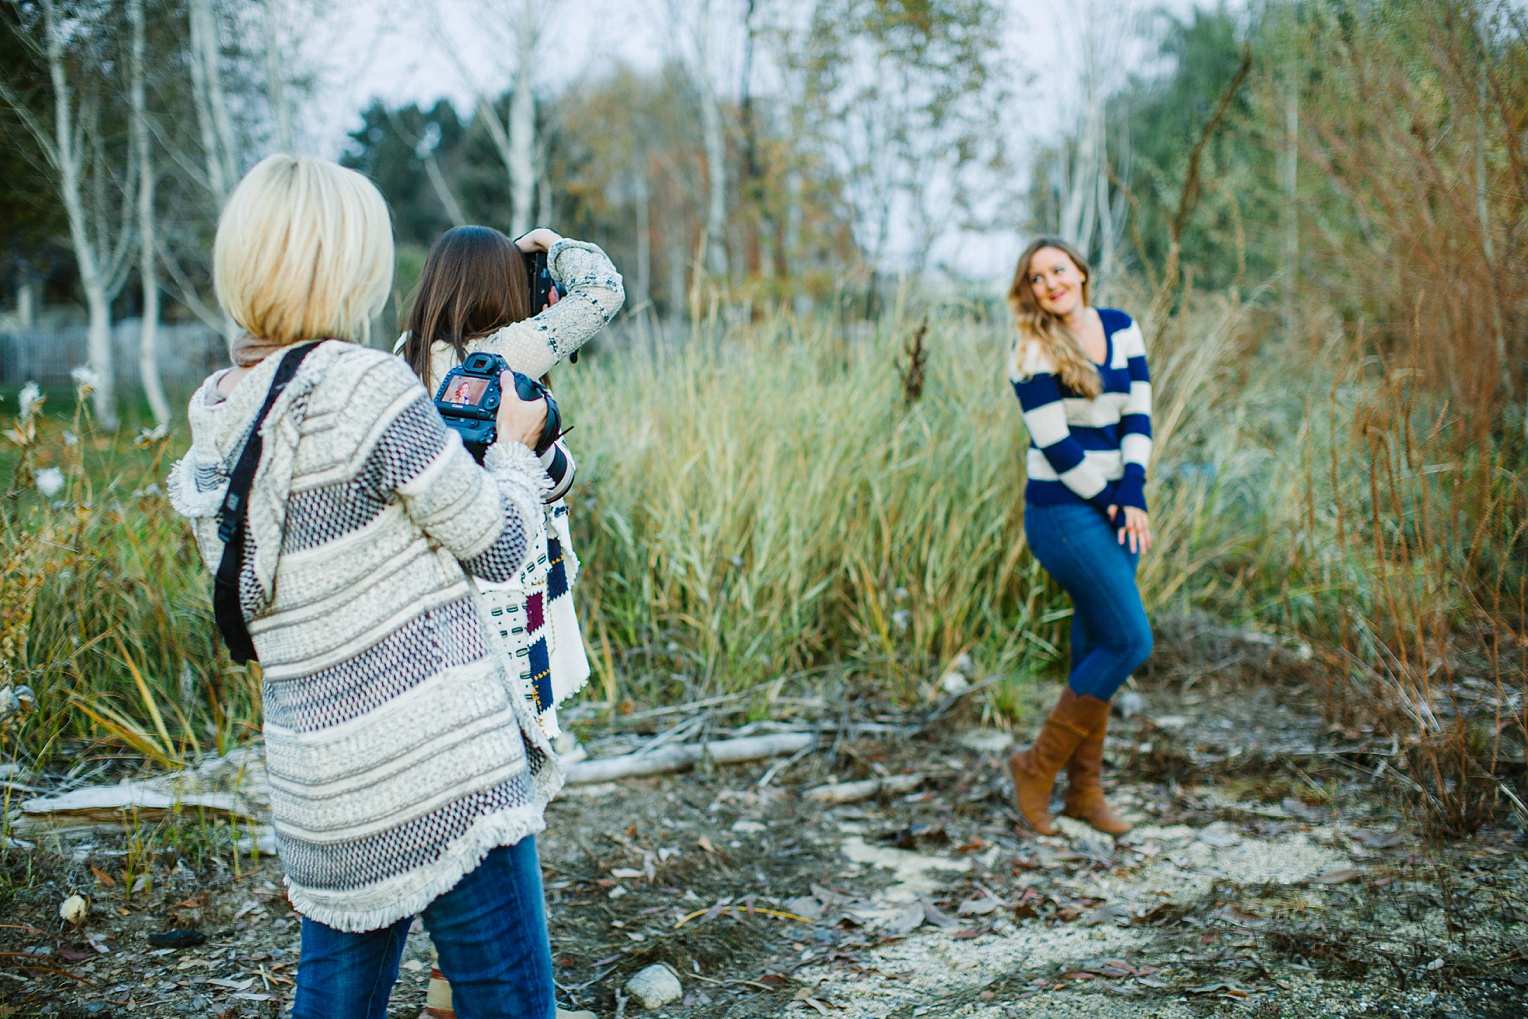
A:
(1082, 450)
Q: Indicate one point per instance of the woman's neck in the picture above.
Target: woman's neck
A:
(1075, 319)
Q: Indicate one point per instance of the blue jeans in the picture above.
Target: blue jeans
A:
(490, 933)
(1111, 636)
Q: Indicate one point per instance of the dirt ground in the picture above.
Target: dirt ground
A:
(1270, 873)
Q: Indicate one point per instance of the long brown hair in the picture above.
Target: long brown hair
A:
(473, 283)
(1072, 363)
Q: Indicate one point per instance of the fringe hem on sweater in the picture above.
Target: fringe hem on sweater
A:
(386, 902)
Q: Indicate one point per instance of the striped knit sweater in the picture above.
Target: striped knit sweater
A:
(400, 750)
(1082, 450)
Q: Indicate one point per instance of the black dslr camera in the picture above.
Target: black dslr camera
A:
(543, 286)
(469, 401)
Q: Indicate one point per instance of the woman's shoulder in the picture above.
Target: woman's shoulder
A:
(361, 376)
(1121, 327)
(1027, 358)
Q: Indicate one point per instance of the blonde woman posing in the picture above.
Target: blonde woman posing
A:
(1080, 375)
(406, 777)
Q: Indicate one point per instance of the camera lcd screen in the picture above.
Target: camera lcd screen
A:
(466, 392)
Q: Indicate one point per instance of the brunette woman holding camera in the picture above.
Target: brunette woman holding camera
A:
(475, 296)
(1080, 375)
(406, 777)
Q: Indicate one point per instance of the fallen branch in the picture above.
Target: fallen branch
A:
(685, 755)
(853, 792)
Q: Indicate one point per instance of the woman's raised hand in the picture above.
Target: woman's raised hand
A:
(519, 420)
(539, 239)
(1136, 529)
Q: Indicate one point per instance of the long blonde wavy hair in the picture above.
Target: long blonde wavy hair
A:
(1072, 363)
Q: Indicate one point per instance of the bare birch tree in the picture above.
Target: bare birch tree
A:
(714, 134)
(94, 192)
(1092, 212)
(518, 23)
(148, 274)
(275, 78)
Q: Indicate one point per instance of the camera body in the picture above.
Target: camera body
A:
(542, 284)
(469, 400)
(545, 291)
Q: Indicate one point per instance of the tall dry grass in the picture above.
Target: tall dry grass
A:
(104, 609)
(760, 504)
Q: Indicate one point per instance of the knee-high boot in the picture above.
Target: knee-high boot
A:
(1084, 794)
(1034, 770)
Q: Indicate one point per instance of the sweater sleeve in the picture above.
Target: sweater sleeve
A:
(595, 293)
(1135, 420)
(481, 515)
(1039, 392)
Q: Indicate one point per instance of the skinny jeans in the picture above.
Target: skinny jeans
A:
(489, 931)
(1111, 636)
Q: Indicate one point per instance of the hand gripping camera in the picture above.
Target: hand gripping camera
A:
(469, 401)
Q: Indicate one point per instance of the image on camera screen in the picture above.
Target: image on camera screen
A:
(465, 392)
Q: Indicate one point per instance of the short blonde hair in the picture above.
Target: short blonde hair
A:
(304, 251)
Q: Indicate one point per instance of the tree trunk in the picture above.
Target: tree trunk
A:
(714, 134)
(98, 301)
(275, 80)
(148, 334)
(643, 202)
(1291, 181)
(522, 126)
(92, 273)
(219, 128)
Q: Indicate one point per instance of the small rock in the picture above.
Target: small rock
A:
(74, 909)
(953, 683)
(805, 906)
(655, 986)
(747, 827)
(1129, 704)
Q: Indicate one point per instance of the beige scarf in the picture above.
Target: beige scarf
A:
(248, 350)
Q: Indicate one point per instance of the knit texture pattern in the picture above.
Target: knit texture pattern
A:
(398, 742)
(1087, 450)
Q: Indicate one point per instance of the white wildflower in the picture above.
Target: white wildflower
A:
(70, 439)
(85, 378)
(28, 400)
(49, 480)
(148, 436)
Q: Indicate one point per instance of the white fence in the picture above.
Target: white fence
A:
(188, 353)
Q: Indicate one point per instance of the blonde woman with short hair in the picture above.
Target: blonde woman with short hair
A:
(407, 777)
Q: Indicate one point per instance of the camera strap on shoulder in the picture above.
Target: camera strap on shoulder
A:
(231, 517)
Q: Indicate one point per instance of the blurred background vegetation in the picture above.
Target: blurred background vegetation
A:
(798, 455)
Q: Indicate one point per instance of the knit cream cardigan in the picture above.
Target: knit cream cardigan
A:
(399, 747)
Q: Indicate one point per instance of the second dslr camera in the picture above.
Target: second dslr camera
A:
(469, 400)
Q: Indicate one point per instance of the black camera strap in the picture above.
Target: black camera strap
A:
(231, 517)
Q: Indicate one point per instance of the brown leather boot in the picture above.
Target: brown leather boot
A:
(1084, 795)
(1034, 770)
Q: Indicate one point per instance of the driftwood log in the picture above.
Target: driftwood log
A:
(677, 757)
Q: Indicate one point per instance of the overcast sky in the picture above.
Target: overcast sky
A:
(417, 51)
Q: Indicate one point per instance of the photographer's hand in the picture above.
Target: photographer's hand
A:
(519, 420)
(539, 239)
